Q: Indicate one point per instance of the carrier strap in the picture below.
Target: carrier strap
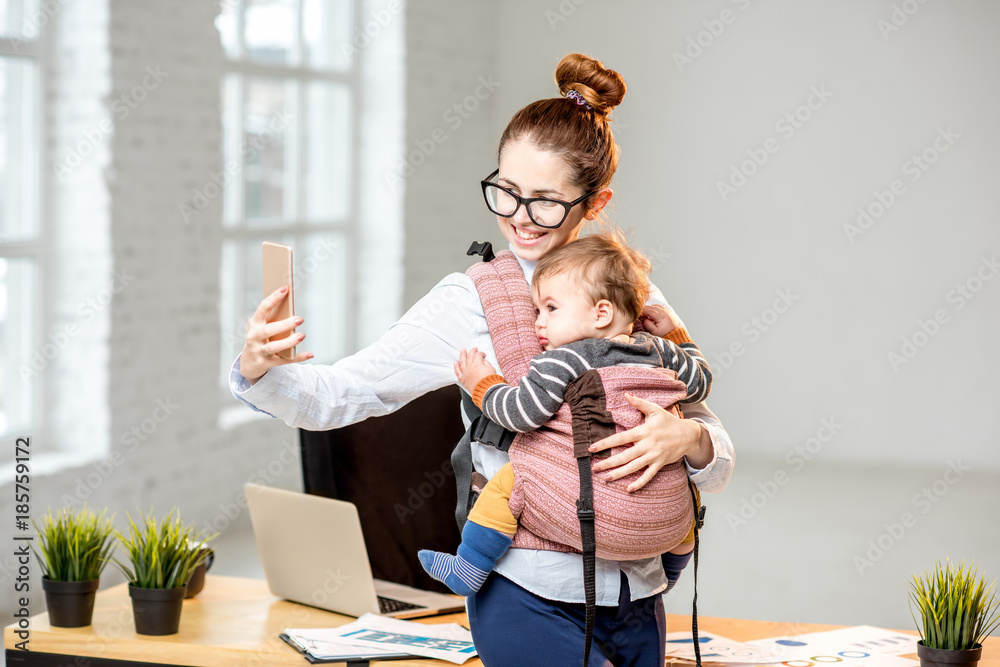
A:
(509, 313)
(699, 511)
(591, 422)
(585, 513)
(483, 431)
(484, 249)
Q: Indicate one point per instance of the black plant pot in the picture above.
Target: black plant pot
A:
(941, 657)
(196, 582)
(157, 611)
(70, 603)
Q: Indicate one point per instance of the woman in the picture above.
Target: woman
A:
(530, 610)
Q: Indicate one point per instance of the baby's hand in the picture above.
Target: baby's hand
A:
(472, 367)
(660, 320)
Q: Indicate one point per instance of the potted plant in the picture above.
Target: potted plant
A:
(160, 562)
(197, 580)
(958, 610)
(75, 548)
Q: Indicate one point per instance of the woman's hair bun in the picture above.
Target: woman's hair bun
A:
(602, 88)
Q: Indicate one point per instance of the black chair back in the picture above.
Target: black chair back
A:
(397, 470)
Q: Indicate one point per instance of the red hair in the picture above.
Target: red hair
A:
(581, 137)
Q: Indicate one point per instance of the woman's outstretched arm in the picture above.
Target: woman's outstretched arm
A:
(413, 357)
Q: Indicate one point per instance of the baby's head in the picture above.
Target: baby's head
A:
(594, 287)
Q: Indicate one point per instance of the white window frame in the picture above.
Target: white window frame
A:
(234, 324)
(36, 249)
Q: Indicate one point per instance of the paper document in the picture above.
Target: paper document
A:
(859, 646)
(853, 644)
(372, 635)
(318, 650)
(715, 648)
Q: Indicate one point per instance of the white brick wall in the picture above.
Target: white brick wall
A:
(139, 379)
(79, 131)
(450, 45)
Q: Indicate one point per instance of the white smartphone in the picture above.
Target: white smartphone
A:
(277, 261)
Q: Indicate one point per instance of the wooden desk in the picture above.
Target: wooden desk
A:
(236, 621)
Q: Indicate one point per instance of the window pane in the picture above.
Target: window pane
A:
(326, 31)
(226, 24)
(271, 30)
(320, 277)
(268, 159)
(328, 152)
(21, 18)
(18, 377)
(18, 149)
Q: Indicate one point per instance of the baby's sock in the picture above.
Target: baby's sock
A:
(479, 551)
(672, 566)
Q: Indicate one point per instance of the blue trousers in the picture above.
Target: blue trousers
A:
(512, 627)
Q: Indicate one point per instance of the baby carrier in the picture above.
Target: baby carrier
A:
(557, 506)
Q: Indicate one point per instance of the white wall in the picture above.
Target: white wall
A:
(811, 528)
(783, 232)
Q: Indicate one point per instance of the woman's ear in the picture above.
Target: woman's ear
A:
(598, 203)
(604, 313)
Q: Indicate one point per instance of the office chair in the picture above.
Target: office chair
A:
(397, 470)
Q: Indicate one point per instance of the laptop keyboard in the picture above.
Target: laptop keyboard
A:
(389, 605)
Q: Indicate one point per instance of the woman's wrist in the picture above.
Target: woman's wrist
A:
(247, 373)
(701, 451)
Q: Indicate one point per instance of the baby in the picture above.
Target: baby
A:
(587, 294)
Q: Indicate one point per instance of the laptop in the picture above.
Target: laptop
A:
(313, 552)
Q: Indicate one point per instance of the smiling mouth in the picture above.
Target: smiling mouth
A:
(527, 236)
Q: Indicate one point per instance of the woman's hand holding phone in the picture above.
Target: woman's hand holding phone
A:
(258, 354)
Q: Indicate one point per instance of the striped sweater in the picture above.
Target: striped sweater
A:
(540, 392)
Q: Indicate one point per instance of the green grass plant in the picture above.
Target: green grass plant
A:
(957, 608)
(75, 546)
(161, 554)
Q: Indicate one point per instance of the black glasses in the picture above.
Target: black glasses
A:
(544, 212)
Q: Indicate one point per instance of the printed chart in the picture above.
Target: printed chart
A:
(859, 646)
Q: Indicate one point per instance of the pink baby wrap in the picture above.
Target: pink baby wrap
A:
(629, 526)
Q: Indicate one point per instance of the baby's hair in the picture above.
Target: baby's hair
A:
(607, 267)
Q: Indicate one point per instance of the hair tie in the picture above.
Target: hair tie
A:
(578, 98)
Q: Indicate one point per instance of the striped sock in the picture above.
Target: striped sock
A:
(454, 571)
(672, 566)
(477, 554)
